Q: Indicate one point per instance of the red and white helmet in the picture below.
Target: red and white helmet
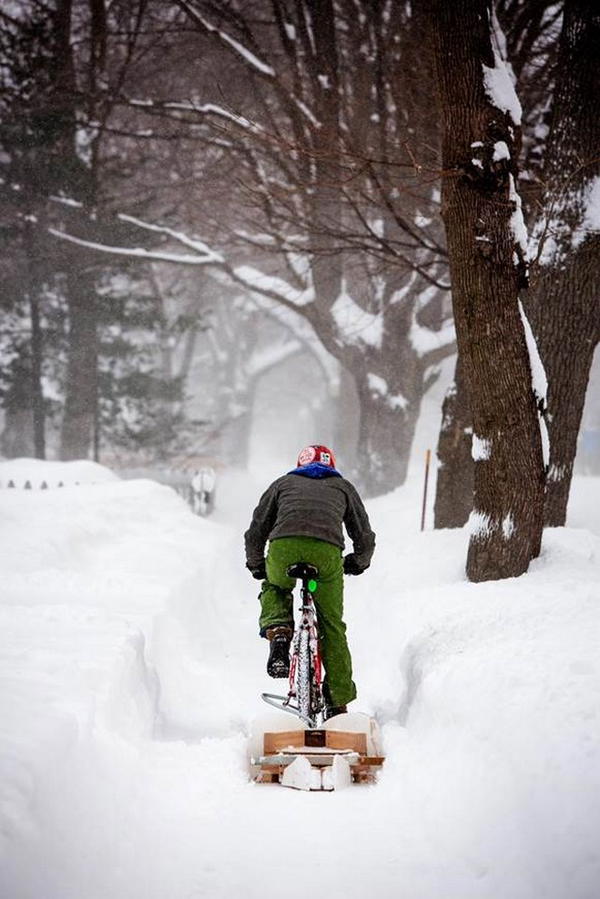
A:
(316, 453)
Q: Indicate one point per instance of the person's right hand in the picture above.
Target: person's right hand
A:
(351, 566)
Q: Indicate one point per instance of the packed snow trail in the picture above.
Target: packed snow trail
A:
(130, 670)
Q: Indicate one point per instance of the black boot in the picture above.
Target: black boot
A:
(332, 711)
(278, 664)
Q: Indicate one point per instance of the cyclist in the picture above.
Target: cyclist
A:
(301, 515)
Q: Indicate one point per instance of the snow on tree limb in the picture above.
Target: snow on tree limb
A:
(302, 331)
(132, 252)
(247, 276)
(271, 286)
(498, 83)
(354, 324)
(193, 243)
(204, 109)
(426, 341)
(243, 52)
(67, 201)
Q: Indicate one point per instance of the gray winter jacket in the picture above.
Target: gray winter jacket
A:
(298, 506)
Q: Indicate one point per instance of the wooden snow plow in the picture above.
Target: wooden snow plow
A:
(345, 750)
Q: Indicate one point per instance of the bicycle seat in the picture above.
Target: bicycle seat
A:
(303, 570)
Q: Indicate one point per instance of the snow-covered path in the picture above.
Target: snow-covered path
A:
(129, 675)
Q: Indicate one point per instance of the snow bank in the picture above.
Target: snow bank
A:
(38, 472)
(85, 570)
(130, 668)
(493, 720)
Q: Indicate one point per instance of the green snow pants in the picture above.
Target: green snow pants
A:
(277, 606)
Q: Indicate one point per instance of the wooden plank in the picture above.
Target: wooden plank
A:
(364, 777)
(319, 758)
(376, 760)
(339, 739)
(268, 776)
(363, 772)
(313, 750)
(334, 739)
(273, 742)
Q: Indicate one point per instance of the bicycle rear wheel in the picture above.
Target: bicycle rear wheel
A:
(303, 678)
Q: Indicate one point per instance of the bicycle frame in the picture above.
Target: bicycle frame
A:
(304, 699)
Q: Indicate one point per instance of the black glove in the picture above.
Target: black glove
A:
(351, 566)
(258, 572)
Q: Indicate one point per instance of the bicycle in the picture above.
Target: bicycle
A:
(305, 696)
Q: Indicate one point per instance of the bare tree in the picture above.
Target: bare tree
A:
(329, 196)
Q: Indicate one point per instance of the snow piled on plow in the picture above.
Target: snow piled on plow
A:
(130, 669)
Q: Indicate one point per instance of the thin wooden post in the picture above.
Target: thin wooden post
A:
(427, 460)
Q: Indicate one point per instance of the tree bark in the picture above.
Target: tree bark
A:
(565, 306)
(37, 393)
(34, 285)
(342, 408)
(17, 436)
(82, 368)
(454, 490)
(478, 204)
(385, 439)
(79, 434)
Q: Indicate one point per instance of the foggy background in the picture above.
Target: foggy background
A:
(306, 298)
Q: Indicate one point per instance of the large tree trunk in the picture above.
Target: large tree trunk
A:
(81, 398)
(37, 393)
(565, 307)
(391, 382)
(454, 490)
(342, 407)
(478, 202)
(17, 436)
(79, 435)
(16, 440)
(567, 339)
(34, 283)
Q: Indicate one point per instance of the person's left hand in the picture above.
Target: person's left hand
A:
(258, 572)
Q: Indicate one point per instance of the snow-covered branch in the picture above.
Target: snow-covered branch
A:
(302, 331)
(134, 252)
(272, 286)
(193, 243)
(433, 346)
(243, 52)
(199, 109)
(252, 279)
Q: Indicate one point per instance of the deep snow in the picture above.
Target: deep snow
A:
(130, 670)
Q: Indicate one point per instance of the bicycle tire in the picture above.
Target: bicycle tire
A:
(303, 674)
(316, 696)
